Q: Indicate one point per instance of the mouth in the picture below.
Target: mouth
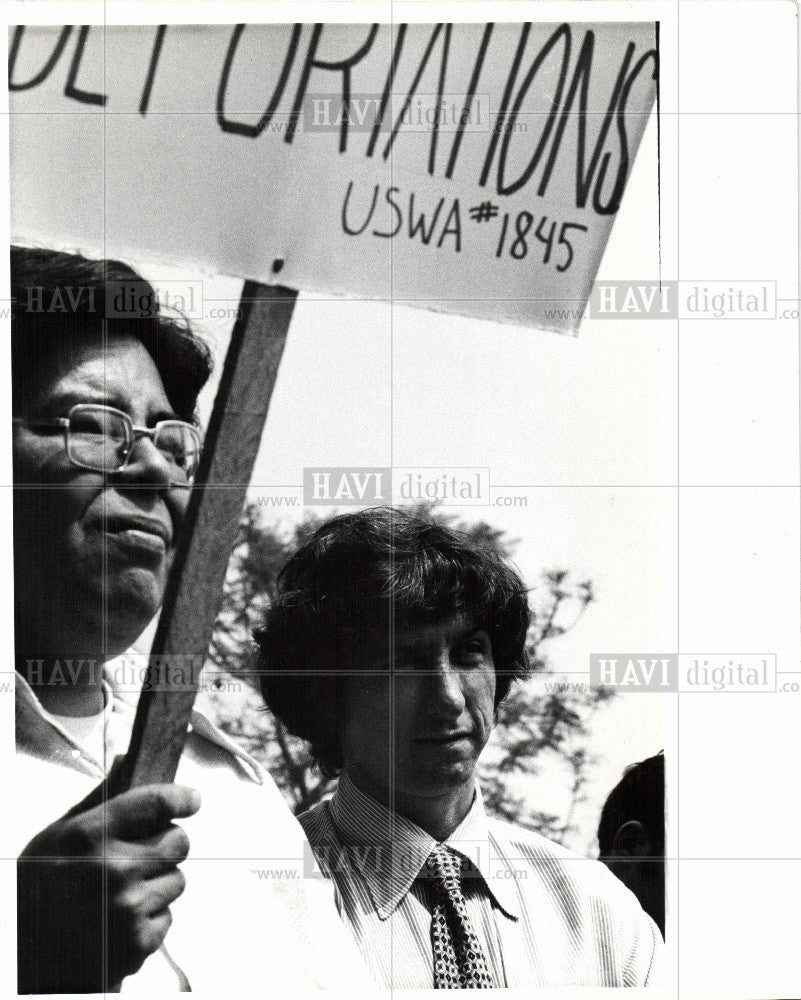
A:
(139, 536)
(447, 739)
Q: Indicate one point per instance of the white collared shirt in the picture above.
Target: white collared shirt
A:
(544, 916)
(248, 920)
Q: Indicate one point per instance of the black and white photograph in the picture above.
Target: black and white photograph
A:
(403, 498)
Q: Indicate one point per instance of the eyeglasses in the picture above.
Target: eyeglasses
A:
(102, 438)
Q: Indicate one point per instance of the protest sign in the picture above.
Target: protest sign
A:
(469, 168)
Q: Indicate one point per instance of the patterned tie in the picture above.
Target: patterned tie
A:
(459, 962)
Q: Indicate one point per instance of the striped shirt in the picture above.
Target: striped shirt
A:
(545, 917)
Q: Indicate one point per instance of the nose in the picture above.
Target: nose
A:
(147, 465)
(449, 700)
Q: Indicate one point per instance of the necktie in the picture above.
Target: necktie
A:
(459, 962)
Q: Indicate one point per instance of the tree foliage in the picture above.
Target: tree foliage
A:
(541, 734)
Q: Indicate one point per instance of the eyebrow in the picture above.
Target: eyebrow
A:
(410, 644)
(66, 400)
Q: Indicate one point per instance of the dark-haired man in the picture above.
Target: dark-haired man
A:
(104, 448)
(631, 834)
(389, 647)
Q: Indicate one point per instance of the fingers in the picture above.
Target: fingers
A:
(138, 812)
(139, 817)
(132, 937)
(153, 856)
(142, 812)
(139, 917)
(99, 884)
(163, 891)
(152, 931)
(147, 897)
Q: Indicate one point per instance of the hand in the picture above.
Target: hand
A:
(94, 889)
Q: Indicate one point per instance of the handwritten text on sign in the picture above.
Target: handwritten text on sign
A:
(474, 169)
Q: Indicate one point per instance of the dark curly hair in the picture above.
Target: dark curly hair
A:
(58, 297)
(357, 578)
(640, 795)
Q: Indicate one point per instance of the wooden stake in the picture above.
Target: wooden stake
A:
(195, 586)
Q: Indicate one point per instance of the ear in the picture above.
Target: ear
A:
(631, 841)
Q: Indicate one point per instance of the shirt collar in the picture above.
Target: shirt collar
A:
(41, 735)
(124, 674)
(387, 849)
(472, 839)
(394, 849)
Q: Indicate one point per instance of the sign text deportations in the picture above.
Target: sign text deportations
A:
(474, 169)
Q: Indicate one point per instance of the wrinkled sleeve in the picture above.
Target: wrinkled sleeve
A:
(645, 964)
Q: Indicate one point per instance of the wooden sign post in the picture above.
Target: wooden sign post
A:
(195, 586)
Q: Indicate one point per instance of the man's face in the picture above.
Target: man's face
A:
(415, 731)
(93, 551)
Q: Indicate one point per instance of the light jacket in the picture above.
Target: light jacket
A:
(248, 920)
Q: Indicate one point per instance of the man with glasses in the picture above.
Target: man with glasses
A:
(102, 439)
(105, 446)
